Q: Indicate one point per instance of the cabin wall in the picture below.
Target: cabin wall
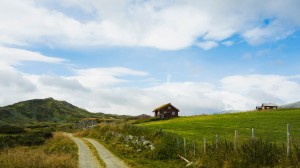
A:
(167, 113)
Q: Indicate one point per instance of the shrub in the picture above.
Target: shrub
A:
(27, 139)
(11, 129)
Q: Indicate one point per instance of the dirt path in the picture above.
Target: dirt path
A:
(86, 157)
(109, 159)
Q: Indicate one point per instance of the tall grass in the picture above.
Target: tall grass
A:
(258, 153)
(58, 151)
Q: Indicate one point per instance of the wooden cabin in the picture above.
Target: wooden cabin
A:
(166, 111)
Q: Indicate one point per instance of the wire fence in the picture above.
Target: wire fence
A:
(192, 148)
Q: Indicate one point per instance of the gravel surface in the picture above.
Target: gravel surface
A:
(109, 159)
(86, 157)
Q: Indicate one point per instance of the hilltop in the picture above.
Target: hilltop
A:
(47, 110)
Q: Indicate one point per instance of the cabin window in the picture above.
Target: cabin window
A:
(173, 113)
(169, 107)
(165, 112)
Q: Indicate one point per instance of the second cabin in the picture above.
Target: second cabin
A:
(166, 111)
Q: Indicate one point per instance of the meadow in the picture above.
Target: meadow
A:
(268, 125)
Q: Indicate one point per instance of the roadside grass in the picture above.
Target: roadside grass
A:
(59, 151)
(136, 160)
(269, 125)
(94, 151)
(134, 155)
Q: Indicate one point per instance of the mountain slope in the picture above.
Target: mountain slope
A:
(43, 110)
(291, 105)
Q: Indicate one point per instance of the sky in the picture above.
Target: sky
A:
(131, 56)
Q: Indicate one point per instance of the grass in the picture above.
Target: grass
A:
(269, 125)
(59, 151)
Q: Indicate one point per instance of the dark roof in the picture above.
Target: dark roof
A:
(163, 106)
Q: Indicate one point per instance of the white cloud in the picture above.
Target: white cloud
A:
(101, 90)
(207, 45)
(12, 56)
(273, 32)
(170, 25)
(228, 43)
(95, 77)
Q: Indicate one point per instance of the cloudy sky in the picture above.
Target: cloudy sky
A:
(130, 56)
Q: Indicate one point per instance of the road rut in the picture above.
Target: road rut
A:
(86, 157)
(109, 159)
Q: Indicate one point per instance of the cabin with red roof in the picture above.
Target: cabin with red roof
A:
(166, 111)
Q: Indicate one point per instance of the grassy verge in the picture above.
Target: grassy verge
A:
(58, 151)
(94, 151)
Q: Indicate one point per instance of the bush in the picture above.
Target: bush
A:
(28, 139)
(11, 129)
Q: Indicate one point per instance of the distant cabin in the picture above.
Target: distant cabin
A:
(267, 106)
(166, 111)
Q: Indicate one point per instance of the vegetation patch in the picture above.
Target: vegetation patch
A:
(26, 139)
(11, 129)
(58, 151)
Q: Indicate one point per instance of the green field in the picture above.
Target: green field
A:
(269, 125)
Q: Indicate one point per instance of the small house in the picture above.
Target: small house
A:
(166, 111)
(267, 106)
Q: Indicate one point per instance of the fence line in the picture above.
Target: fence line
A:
(191, 150)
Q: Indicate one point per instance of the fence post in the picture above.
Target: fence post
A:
(235, 139)
(194, 148)
(178, 143)
(217, 141)
(204, 145)
(184, 145)
(253, 134)
(288, 141)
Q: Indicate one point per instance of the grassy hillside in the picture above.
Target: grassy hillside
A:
(46, 110)
(270, 125)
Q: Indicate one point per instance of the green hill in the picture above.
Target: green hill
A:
(270, 125)
(46, 110)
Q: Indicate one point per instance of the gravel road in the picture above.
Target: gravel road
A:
(109, 159)
(86, 157)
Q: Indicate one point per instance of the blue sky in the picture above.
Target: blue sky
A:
(130, 56)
